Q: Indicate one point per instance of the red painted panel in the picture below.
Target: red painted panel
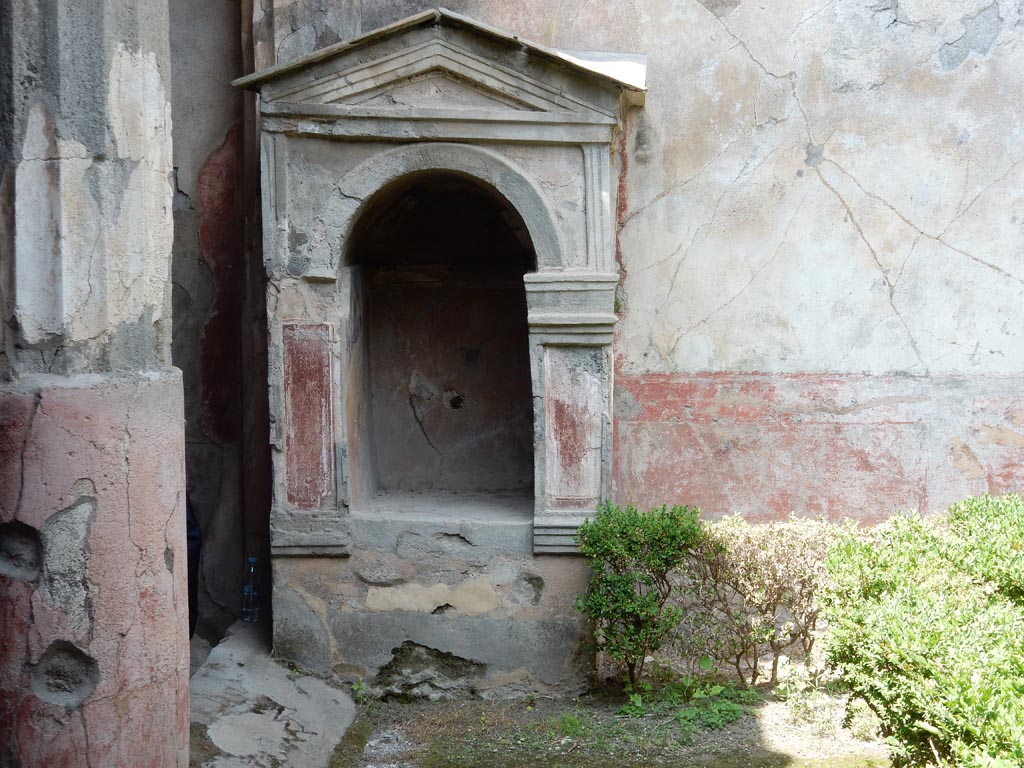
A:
(575, 401)
(309, 415)
(767, 445)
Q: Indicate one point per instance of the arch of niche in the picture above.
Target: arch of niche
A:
(437, 92)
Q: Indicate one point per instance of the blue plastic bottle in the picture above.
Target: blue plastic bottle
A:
(251, 592)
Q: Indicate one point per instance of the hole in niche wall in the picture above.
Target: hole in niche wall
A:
(446, 384)
(454, 400)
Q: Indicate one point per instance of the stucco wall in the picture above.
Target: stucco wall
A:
(94, 624)
(85, 165)
(818, 209)
(209, 288)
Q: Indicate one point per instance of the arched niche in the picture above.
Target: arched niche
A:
(438, 95)
(486, 167)
(438, 258)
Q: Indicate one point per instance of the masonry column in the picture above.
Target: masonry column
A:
(93, 598)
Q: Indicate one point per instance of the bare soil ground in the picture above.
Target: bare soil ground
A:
(591, 732)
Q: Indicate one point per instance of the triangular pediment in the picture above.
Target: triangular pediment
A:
(441, 62)
(440, 86)
(434, 74)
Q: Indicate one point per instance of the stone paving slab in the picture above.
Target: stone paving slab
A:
(248, 710)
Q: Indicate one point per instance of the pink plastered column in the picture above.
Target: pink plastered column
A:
(93, 587)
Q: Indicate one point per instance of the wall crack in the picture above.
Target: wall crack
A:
(890, 284)
(24, 447)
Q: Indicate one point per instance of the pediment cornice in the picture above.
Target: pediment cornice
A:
(442, 67)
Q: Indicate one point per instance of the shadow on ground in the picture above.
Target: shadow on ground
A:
(583, 734)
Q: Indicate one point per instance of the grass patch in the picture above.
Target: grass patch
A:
(649, 727)
(675, 729)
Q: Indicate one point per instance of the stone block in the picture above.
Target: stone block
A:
(509, 623)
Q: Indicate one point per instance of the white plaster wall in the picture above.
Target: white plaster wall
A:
(90, 221)
(813, 185)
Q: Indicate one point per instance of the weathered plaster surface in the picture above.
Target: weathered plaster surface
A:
(89, 221)
(209, 289)
(574, 418)
(94, 646)
(812, 188)
(510, 618)
(452, 406)
(309, 415)
(93, 637)
(301, 26)
(875, 236)
(314, 192)
(863, 446)
(812, 185)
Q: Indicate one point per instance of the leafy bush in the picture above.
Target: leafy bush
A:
(987, 541)
(632, 554)
(749, 590)
(818, 701)
(926, 625)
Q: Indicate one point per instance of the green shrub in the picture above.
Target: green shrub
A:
(924, 625)
(750, 590)
(987, 535)
(632, 554)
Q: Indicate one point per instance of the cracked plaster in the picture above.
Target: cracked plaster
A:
(110, 513)
(848, 205)
(819, 236)
(92, 230)
(89, 458)
(738, 256)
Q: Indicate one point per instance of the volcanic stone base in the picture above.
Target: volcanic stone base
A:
(433, 607)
